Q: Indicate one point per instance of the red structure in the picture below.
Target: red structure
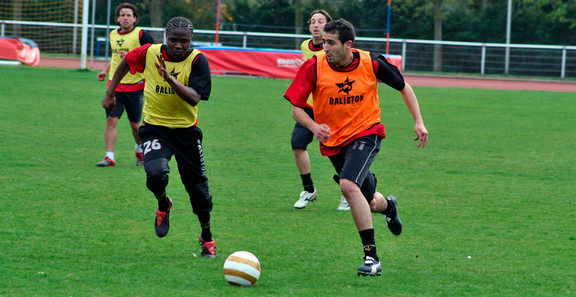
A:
(19, 49)
(260, 62)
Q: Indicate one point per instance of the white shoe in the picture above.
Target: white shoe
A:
(305, 197)
(343, 204)
(370, 267)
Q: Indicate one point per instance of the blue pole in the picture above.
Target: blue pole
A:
(388, 29)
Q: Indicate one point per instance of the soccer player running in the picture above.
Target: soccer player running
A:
(343, 83)
(177, 78)
(301, 136)
(130, 90)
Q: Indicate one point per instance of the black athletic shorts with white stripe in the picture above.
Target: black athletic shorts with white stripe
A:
(354, 161)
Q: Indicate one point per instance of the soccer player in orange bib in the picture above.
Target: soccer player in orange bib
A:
(343, 82)
(177, 79)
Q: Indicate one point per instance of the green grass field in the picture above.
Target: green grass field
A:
(488, 206)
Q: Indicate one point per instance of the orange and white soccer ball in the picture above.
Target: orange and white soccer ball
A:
(242, 269)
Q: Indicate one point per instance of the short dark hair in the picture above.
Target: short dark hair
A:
(180, 22)
(127, 5)
(343, 28)
(322, 12)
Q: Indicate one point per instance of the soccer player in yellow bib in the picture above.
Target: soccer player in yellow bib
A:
(301, 136)
(177, 79)
(129, 92)
(343, 82)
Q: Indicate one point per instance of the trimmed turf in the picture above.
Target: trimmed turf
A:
(488, 205)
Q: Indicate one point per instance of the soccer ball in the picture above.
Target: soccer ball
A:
(242, 269)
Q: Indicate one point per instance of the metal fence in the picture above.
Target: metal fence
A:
(417, 55)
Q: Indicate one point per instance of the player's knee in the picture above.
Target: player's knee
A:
(111, 122)
(348, 187)
(298, 152)
(157, 175)
(157, 168)
(135, 126)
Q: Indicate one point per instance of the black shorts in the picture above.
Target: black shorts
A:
(354, 161)
(185, 144)
(301, 136)
(132, 102)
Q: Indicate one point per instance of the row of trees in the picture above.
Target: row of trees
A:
(533, 21)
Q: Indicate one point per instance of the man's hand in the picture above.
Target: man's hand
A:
(421, 134)
(161, 66)
(300, 61)
(108, 103)
(101, 76)
(322, 132)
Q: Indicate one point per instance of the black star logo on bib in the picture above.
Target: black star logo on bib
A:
(120, 42)
(346, 86)
(174, 74)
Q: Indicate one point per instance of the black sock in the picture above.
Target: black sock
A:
(206, 233)
(307, 182)
(389, 208)
(163, 203)
(204, 219)
(369, 243)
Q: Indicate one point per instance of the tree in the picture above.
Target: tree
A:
(155, 9)
(536, 21)
(438, 18)
(298, 16)
(356, 12)
(266, 15)
(17, 15)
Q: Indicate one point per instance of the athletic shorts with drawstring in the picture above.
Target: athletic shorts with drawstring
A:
(354, 161)
(132, 102)
(301, 136)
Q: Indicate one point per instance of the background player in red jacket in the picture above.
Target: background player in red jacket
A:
(301, 136)
(129, 93)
